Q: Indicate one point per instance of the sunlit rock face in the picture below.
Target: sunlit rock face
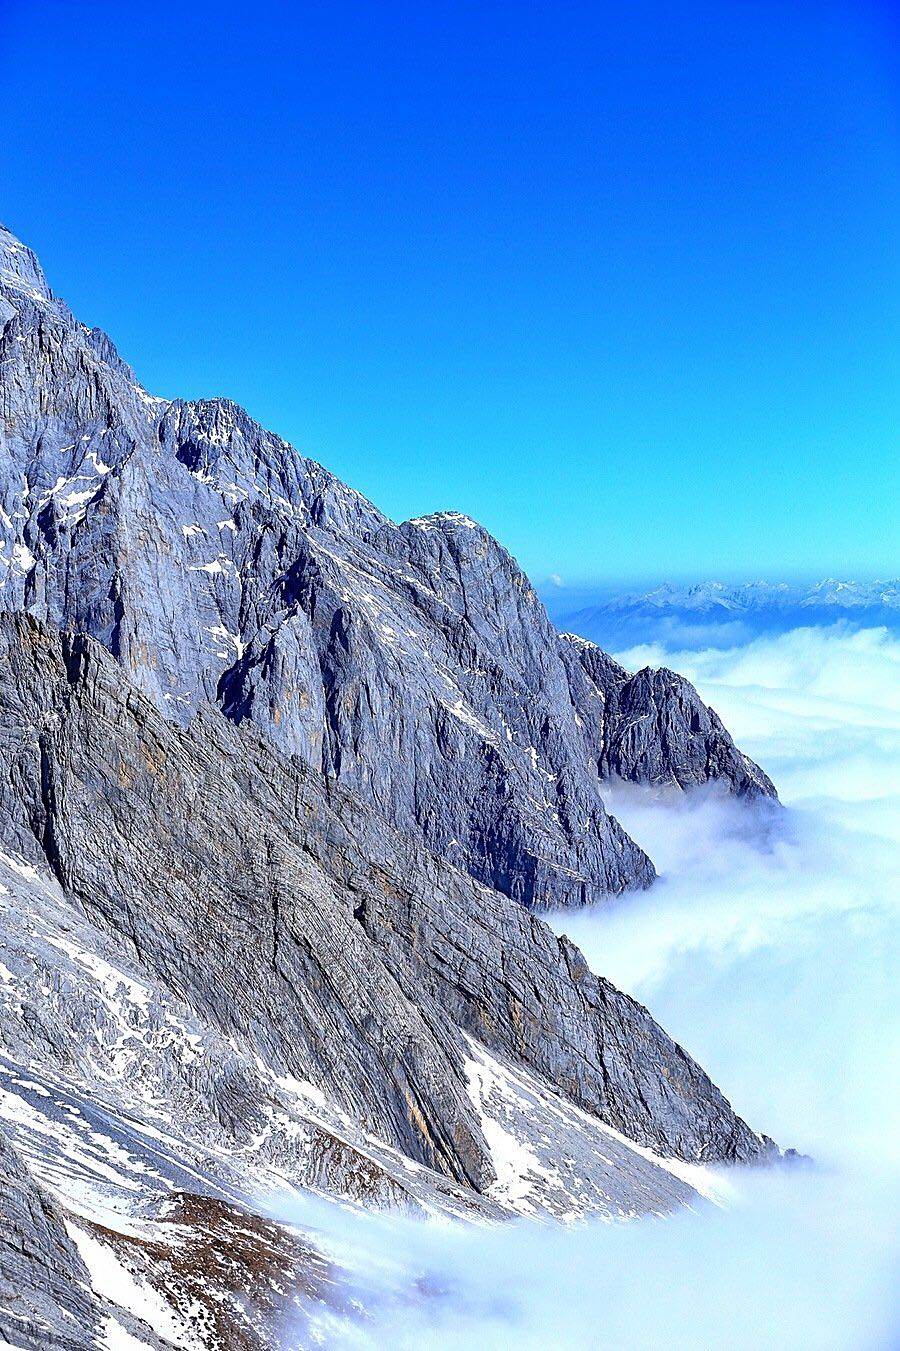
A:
(283, 783)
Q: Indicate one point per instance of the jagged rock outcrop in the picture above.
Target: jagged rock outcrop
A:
(413, 664)
(654, 728)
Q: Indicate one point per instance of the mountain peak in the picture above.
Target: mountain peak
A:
(720, 614)
(20, 270)
(220, 566)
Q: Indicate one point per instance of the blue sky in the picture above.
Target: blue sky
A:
(625, 286)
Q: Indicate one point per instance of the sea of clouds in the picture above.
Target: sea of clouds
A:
(771, 955)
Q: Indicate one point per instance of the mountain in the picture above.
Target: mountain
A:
(284, 784)
(413, 664)
(719, 614)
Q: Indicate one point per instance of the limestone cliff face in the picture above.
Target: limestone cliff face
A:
(205, 944)
(295, 918)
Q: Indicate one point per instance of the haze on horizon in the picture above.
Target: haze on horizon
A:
(622, 287)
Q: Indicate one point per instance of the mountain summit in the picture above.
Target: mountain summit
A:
(283, 782)
(413, 664)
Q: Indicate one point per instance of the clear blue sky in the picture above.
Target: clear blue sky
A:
(622, 282)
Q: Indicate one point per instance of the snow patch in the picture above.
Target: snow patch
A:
(23, 557)
(117, 1339)
(112, 1279)
(216, 567)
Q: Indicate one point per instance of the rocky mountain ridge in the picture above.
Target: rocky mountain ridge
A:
(216, 564)
(283, 781)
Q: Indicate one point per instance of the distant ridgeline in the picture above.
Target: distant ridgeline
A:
(716, 614)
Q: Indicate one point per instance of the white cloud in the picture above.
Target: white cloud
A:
(799, 1264)
(772, 957)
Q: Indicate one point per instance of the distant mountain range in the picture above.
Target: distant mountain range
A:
(719, 613)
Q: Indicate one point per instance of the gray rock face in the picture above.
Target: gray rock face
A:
(653, 727)
(338, 948)
(413, 664)
(211, 955)
(45, 1295)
